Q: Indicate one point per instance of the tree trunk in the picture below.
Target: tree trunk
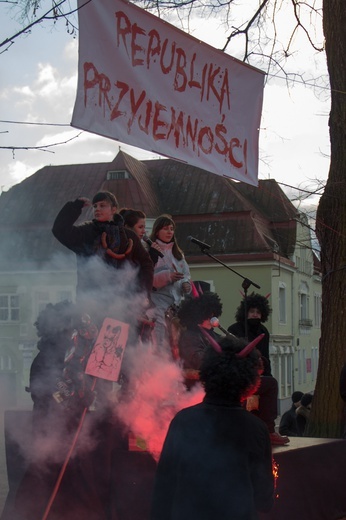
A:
(331, 231)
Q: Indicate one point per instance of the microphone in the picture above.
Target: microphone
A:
(214, 322)
(202, 245)
(150, 243)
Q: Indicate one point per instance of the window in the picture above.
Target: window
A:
(304, 365)
(64, 295)
(53, 294)
(282, 369)
(286, 365)
(304, 315)
(304, 265)
(317, 310)
(304, 309)
(42, 299)
(117, 175)
(314, 363)
(9, 307)
(300, 378)
(5, 362)
(282, 302)
(301, 366)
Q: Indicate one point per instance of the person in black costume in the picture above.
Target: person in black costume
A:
(250, 316)
(288, 422)
(54, 327)
(216, 460)
(252, 312)
(193, 314)
(61, 393)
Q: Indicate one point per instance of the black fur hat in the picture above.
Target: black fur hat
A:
(224, 375)
(253, 300)
(56, 318)
(195, 310)
(306, 400)
(296, 396)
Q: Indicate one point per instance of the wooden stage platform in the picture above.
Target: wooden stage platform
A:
(311, 482)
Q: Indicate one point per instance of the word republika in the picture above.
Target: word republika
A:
(204, 85)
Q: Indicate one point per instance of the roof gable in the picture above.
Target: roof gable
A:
(233, 217)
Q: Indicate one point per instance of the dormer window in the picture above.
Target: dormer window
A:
(117, 175)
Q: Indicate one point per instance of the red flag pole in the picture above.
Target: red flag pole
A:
(67, 459)
(95, 370)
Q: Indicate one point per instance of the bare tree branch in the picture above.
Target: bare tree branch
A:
(42, 148)
(54, 13)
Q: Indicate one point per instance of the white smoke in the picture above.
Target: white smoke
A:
(156, 390)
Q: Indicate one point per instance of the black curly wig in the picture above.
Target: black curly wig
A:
(194, 311)
(55, 319)
(253, 300)
(226, 376)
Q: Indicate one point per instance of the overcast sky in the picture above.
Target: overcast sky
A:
(38, 85)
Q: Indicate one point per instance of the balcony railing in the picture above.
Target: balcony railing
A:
(305, 323)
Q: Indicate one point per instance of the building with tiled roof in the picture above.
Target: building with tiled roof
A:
(254, 233)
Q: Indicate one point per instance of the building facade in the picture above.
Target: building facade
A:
(254, 233)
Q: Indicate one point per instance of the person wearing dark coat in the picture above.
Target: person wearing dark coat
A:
(252, 312)
(288, 422)
(250, 316)
(216, 460)
(103, 246)
(194, 314)
(84, 488)
(54, 327)
(303, 413)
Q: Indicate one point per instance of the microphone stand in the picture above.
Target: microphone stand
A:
(245, 284)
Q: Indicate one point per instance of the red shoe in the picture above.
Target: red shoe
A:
(278, 440)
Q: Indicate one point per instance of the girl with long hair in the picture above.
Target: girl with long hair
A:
(134, 219)
(171, 274)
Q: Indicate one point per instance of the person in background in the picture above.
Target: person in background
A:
(54, 325)
(134, 219)
(252, 312)
(103, 246)
(303, 413)
(171, 276)
(288, 422)
(62, 394)
(216, 461)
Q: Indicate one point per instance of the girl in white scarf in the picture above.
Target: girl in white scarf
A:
(171, 274)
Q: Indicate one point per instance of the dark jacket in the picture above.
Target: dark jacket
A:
(93, 262)
(288, 423)
(254, 330)
(192, 345)
(216, 463)
(46, 369)
(303, 415)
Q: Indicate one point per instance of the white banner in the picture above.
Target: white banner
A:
(144, 82)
